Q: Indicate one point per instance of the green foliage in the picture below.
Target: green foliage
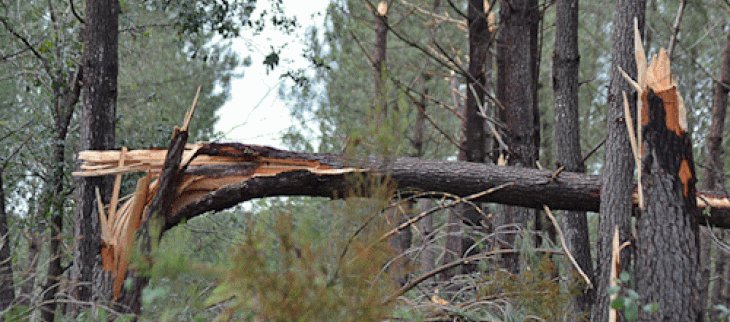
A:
(627, 300)
(282, 278)
(336, 104)
(532, 292)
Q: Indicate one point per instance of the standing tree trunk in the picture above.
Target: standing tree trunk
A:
(473, 140)
(7, 285)
(667, 244)
(566, 64)
(517, 60)
(66, 98)
(380, 54)
(401, 241)
(100, 63)
(428, 257)
(618, 172)
(715, 180)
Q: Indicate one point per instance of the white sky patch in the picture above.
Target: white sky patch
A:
(254, 113)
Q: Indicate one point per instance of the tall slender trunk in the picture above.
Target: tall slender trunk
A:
(100, 63)
(618, 172)
(7, 284)
(53, 276)
(715, 180)
(566, 64)
(517, 56)
(428, 255)
(380, 54)
(473, 140)
(63, 109)
(29, 273)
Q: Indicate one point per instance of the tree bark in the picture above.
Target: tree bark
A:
(566, 64)
(523, 187)
(66, 98)
(667, 243)
(715, 180)
(617, 183)
(517, 69)
(473, 135)
(7, 284)
(100, 61)
(380, 54)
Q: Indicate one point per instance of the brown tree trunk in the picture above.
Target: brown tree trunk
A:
(618, 182)
(715, 180)
(100, 62)
(380, 54)
(7, 284)
(453, 245)
(66, 99)
(473, 139)
(667, 243)
(517, 60)
(29, 274)
(401, 241)
(428, 254)
(566, 64)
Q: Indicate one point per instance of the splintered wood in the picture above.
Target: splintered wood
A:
(209, 166)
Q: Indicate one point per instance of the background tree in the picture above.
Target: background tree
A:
(517, 79)
(566, 137)
(714, 179)
(618, 172)
(98, 126)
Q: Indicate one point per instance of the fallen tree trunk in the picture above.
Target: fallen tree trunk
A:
(221, 175)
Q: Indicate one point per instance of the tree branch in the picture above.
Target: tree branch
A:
(232, 173)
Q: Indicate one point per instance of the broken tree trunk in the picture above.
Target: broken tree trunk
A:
(222, 175)
(667, 244)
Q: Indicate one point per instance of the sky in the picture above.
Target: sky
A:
(254, 113)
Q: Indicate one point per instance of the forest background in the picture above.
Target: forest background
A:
(386, 80)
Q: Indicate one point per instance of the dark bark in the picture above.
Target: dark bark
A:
(7, 285)
(53, 276)
(566, 64)
(380, 54)
(667, 243)
(715, 180)
(517, 69)
(29, 274)
(66, 99)
(714, 163)
(618, 183)
(473, 135)
(473, 132)
(425, 225)
(100, 61)
(453, 244)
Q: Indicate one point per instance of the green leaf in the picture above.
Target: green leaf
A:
(651, 307)
(632, 312)
(632, 294)
(625, 277)
(618, 303)
(614, 289)
(220, 294)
